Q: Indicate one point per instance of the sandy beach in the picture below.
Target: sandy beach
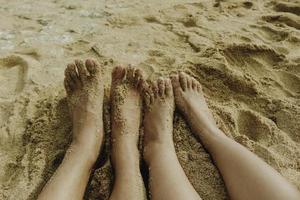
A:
(246, 55)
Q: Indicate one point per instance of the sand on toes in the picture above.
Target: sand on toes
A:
(158, 117)
(191, 102)
(84, 87)
(126, 111)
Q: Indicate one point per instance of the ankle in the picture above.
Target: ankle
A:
(153, 151)
(82, 153)
(124, 154)
(211, 138)
(88, 137)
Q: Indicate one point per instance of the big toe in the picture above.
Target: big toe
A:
(175, 82)
(118, 74)
(161, 87)
(69, 85)
(71, 74)
(169, 88)
(146, 92)
(92, 67)
(130, 74)
(82, 71)
(183, 80)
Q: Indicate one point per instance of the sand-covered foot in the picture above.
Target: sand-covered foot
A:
(191, 102)
(84, 87)
(126, 115)
(125, 119)
(158, 118)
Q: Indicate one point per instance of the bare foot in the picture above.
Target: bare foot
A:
(158, 119)
(191, 102)
(83, 84)
(126, 109)
(167, 179)
(125, 118)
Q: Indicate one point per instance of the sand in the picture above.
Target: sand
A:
(246, 54)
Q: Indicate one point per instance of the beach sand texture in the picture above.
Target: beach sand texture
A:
(246, 54)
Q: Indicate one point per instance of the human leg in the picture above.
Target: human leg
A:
(246, 176)
(83, 84)
(125, 118)
(167, 178)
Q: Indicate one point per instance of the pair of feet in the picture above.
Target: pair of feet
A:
(84, 86)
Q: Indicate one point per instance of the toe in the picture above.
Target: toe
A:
(189, 82)
(142, 85)
(68, 85)
(161, 87)
(71, 72)
(175, 82)
(68, 72)
(118, 74)
(130, 73)
(92, 67)
(148, 98)
(82, 71)
(199, 87)
(138, 76)
(169, 89)
(151, 91)
(146, 92)
(194, 84)
(183, 80)
(154, 88)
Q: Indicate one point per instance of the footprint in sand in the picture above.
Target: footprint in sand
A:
(17, 70)
(288, 7)
(288, 19)
(258, 62)
(287, 120)
(13, 75)
(287, 13)
(254, 127)
(290, 82)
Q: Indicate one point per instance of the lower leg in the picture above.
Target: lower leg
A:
(126, 111)
(85, 97)
(128, 183)
(167, 178)
(71, 178)
(246, 176)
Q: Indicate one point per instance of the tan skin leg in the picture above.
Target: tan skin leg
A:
(125, 117)
(83, 83)
(246, 176)
(167, 178)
